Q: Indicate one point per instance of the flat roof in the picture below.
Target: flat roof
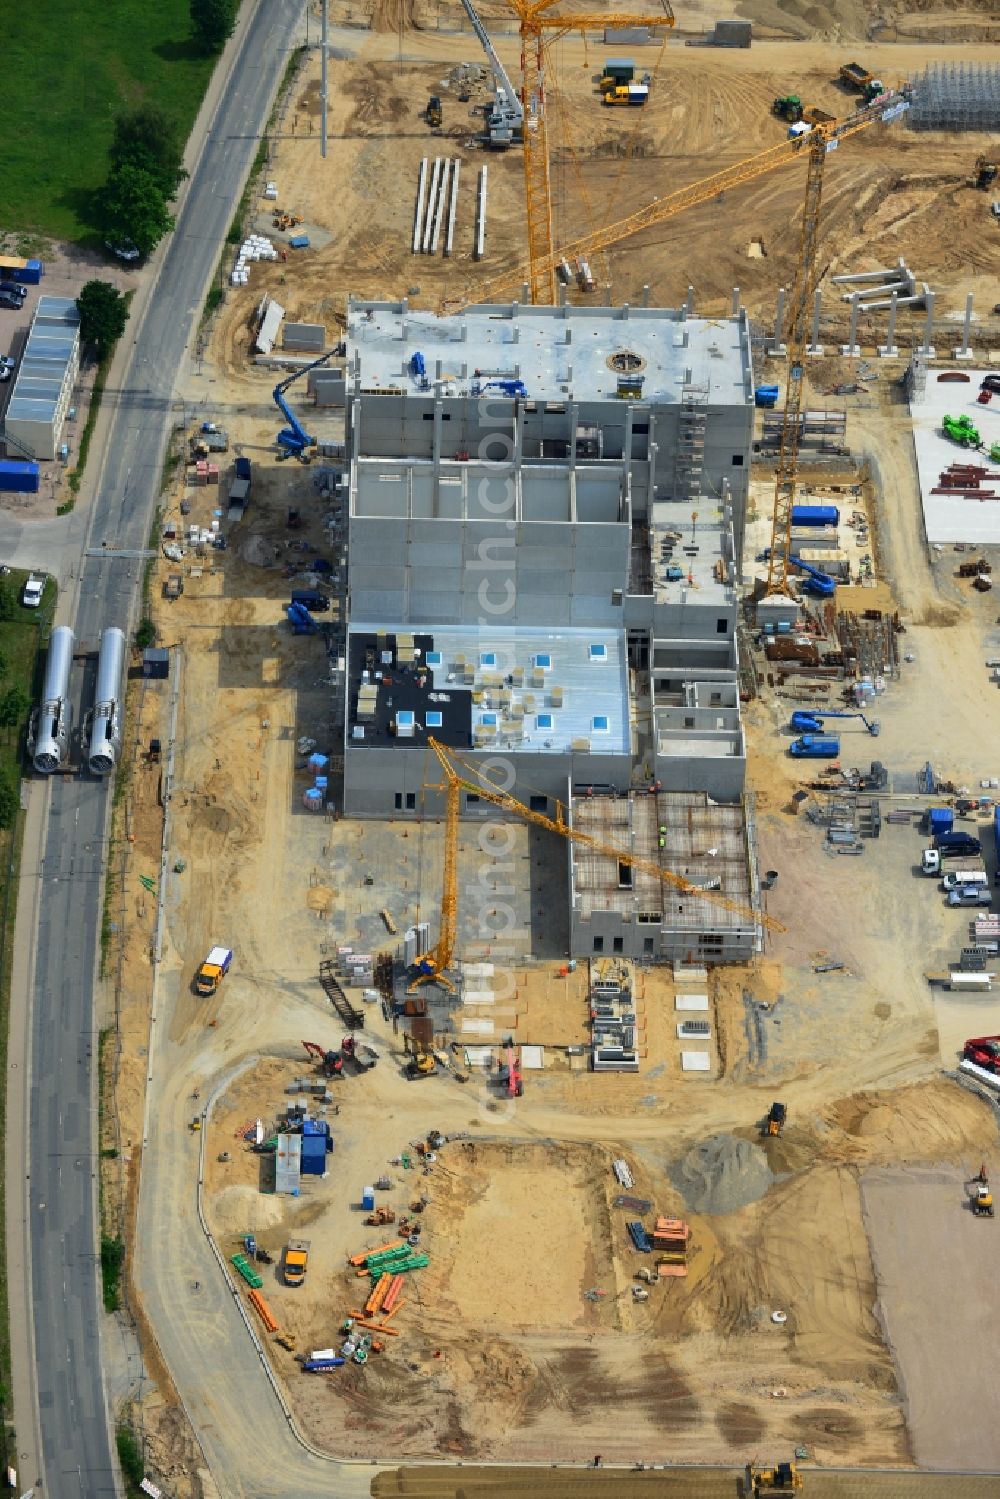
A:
(949, 518)
(514, 688)
(701, 550)
(551, 351)
(704, 842)
(52, 343)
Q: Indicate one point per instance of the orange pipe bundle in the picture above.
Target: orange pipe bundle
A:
(392, 1295)
(359, 1259)
(264, 1311)
(375, 1300)
(393, 1332)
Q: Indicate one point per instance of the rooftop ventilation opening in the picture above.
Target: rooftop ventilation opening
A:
(626, 362)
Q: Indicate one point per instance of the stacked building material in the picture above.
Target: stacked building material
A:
(671, 1237)
(639, 1237)
(966, 481)
(403, 1266)
(245, 1269)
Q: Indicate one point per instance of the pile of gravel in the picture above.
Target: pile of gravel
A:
(722, 1174)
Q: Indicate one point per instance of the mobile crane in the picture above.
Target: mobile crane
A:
(506, 119)
(294, 441)
(432, 965)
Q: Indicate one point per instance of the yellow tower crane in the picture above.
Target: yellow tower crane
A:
(821, 140)
(537, 30)
(432, 965)
(661, 209)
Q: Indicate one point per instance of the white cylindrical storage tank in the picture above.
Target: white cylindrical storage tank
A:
(106, 725)
(55, 716)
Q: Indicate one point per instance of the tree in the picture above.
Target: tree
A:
(103, 315)
(135, 208)
(147, 139)
(212, 22)
(14, 704)
(9, 803)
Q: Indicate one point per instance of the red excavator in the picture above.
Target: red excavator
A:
(983, 1051)
(511, 1073)
(331, 1062)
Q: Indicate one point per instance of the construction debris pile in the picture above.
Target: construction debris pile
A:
(254, 247)
(613, 1016)
(669, 1238)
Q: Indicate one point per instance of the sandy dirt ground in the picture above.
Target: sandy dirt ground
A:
(501, 1353)
(890, 193)
(528, 1365)
(931, 1261)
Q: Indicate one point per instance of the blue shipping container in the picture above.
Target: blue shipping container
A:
(18, 476)
(299, 242)
(30, 273)
(815, 515)
(996, 840)
(940, 819)
(368, 1199)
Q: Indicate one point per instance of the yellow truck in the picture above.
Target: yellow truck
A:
(296, 1261)
(213, 970)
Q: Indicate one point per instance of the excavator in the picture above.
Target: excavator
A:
(332, 1062)
(421, 1063)
(510, 1073)
(984, 1052)
(980, 1194)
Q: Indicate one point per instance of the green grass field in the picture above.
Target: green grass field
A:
(69, 69)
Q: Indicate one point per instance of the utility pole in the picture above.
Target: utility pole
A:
(323, 91)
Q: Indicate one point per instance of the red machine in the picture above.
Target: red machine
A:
(331, 1062)
(984, 1051)
(511, 1074)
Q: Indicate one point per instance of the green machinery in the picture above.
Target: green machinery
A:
(788, 107)
(961, 430)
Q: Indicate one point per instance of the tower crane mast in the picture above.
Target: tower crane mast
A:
(535, 25)
(821, 141)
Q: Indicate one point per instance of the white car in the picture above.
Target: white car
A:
(31, 593)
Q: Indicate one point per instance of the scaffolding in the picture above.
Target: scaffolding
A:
(956, 96)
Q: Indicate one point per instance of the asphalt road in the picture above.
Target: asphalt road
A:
(61, 1215)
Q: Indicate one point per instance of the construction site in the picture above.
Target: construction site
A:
(558, 1031)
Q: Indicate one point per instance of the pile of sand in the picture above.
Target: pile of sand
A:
(243, 1210)
(722, 1174)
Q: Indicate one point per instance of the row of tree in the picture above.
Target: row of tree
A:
(146, 152)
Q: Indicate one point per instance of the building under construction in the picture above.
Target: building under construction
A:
(635, 908)
(543, 506)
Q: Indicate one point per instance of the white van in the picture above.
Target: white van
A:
(961, 879)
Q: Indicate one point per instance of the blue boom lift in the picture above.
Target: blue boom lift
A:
(293, 441)
(812, 723)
